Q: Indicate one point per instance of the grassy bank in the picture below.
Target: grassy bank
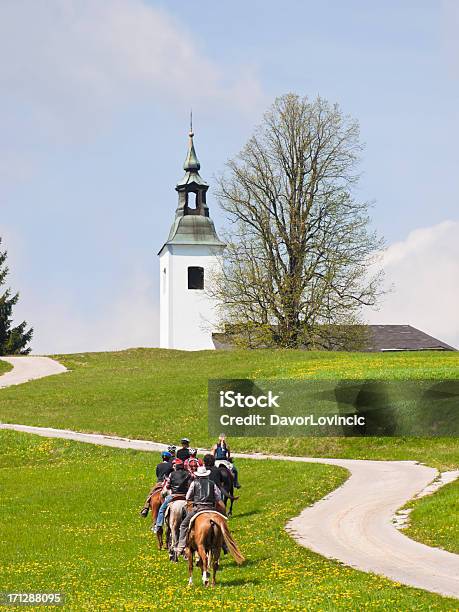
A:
(435, 519)
(162, 395)
(69, 522)
(4, 367)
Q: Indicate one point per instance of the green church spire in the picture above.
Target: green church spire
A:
(192, 224)
(191, 162)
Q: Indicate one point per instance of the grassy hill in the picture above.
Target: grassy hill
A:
(69, 523)
(4, 367)
(434, 519)
(162, 395)
(70, 518)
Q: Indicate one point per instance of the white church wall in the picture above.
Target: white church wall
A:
(164, 298)
(188, 316)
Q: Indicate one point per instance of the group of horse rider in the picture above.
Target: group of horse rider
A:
(182, 473)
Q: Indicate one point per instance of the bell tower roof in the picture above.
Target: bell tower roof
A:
(192, 224)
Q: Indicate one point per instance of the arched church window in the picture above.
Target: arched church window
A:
(195, 277)
(192, 200)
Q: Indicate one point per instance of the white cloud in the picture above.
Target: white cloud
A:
(424, 272)
(71, 57)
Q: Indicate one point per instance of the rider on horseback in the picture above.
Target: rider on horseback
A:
(177, 483)
(215, 474)
(163, 470)
(221, 452)
(192, 464)
(172, 449)
(204, 494)
(183, 453)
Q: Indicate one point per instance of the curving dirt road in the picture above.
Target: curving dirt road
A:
(352, 524)
(29, 368)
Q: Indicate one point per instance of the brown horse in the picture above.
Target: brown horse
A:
(206, 536)
(156, 500)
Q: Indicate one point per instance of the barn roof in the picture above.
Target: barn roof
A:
(402, 338)
(380, 338)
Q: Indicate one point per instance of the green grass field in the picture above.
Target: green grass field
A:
(69, 522)
(435, 519)
(90, 542)
(5, 367)
(162, 395)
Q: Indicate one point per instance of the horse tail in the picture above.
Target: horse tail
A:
(229, 540)
(228, 495)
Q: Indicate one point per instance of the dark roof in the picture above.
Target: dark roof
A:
(193, 229)
(402, 338)
(380, 338)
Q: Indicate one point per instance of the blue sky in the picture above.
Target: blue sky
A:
(93, 122)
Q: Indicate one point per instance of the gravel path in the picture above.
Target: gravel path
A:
(29, 368)
(352, 524)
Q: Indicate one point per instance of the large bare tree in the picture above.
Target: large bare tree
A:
(299, 249)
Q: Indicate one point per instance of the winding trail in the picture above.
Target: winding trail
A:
(352, 524)
(29, 368)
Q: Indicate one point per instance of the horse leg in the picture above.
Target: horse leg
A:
(154, 507)
(215, 550)
(170, 538)
(230, 512)
(190, 566)
(232, 498)
(171, 542)
(215, 559)
(155, 503)
(159, 536)
(204, 567)
(174, 539)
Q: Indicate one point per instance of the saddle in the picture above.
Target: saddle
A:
(224, 462)
(193, 518)
(177, 497)
(157, 487)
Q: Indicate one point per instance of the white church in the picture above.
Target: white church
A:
(188, 259)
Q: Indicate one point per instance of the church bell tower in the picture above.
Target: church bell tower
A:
(188, 260)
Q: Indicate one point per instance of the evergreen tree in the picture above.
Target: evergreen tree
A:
(13, 340)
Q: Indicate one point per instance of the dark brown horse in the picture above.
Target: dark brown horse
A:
(206, 536)
(227, 486)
